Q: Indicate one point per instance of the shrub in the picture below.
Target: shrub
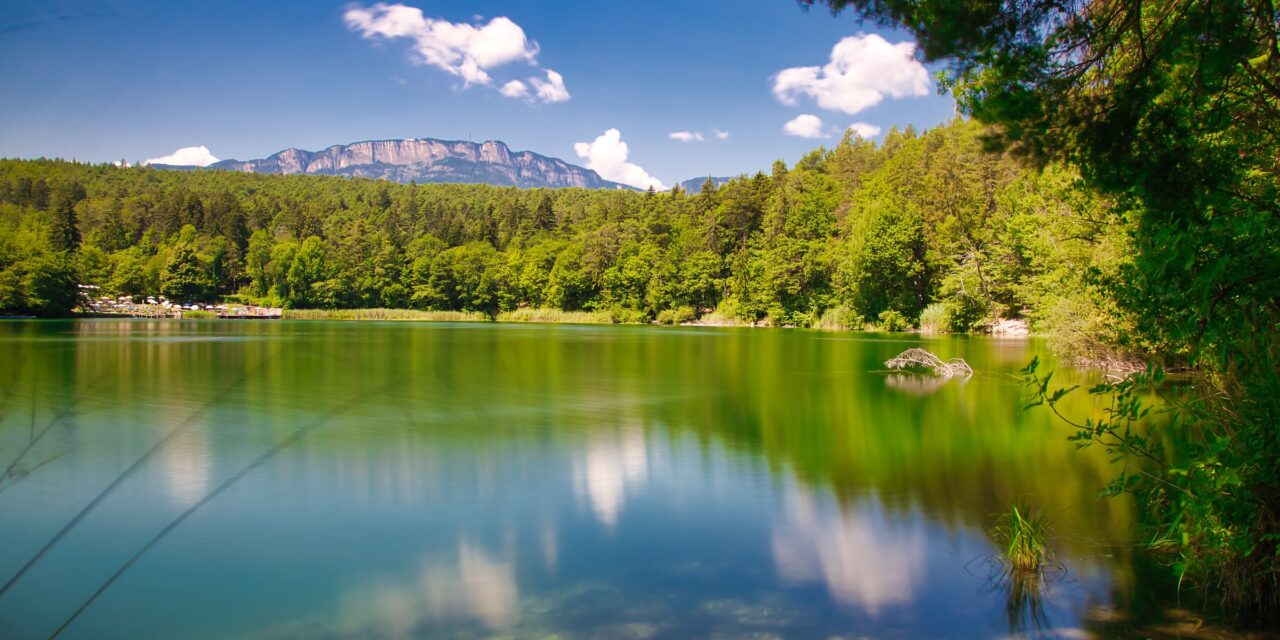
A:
(679, 315)
(964, 313)
(624, 315)
(893, 320)
(840, 318)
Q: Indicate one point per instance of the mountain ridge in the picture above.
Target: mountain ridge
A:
(427, 160)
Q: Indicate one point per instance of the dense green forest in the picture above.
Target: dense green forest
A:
(1171, 109)
(920, 229)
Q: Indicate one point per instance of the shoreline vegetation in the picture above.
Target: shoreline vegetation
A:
(558, 316)
(1168, 112)
(924, 231)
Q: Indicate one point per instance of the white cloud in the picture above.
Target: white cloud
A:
(464, 50)
(186, 157)
(552, 89)
(607, 155)
(862, 71)
(805, 125)
(720, 135)
(865, 129)
(515, 89)
(685, 136)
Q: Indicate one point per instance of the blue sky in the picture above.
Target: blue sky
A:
(102, 81)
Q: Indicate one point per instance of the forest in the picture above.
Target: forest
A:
(926, 230)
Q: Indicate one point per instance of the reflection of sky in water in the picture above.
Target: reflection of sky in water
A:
(866, 561)
(524, 511)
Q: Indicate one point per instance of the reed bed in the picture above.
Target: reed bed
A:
(556, 315)
(405, 315)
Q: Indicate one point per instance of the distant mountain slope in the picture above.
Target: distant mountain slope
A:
(693, 186)
(428, 160)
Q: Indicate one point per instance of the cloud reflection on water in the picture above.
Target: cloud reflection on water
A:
(609, 469)
(866, 560)
(478, 587)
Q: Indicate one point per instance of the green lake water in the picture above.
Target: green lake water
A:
(169, 479)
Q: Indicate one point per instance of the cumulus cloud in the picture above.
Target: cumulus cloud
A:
(805, 125)
(862, 71)
(865, 129)
(552, 89)
(685, 136)
(186, 157)
(720, 135)
(468, 51)
(515, 89)
(607, 155)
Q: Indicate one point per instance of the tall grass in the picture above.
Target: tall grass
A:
(556, 315)
(1024, 540)
(410, 315)
(933, 319)
(839, 319)
(719, 318)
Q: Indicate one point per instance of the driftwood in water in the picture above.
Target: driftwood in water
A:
(917, 358)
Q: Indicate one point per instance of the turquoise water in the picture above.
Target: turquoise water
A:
(351, 480)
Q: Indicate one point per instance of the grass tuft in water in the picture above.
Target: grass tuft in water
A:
(1024, 540)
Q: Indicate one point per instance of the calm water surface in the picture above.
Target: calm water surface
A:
(356, 480)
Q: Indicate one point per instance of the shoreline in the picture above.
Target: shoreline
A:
(532, 316)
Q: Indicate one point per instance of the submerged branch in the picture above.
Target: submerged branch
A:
(917, 358)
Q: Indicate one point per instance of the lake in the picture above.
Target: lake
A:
(180, 479)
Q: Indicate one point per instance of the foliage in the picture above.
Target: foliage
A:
(186, 276)
(1189, 476)
(933, 319)
(679, 315)
(862, 227)
(1172, 109)
(893, 320)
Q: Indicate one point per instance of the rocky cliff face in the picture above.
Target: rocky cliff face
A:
(428, 160)
(693, 186)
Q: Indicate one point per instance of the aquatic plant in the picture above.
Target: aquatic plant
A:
(1024, 540)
